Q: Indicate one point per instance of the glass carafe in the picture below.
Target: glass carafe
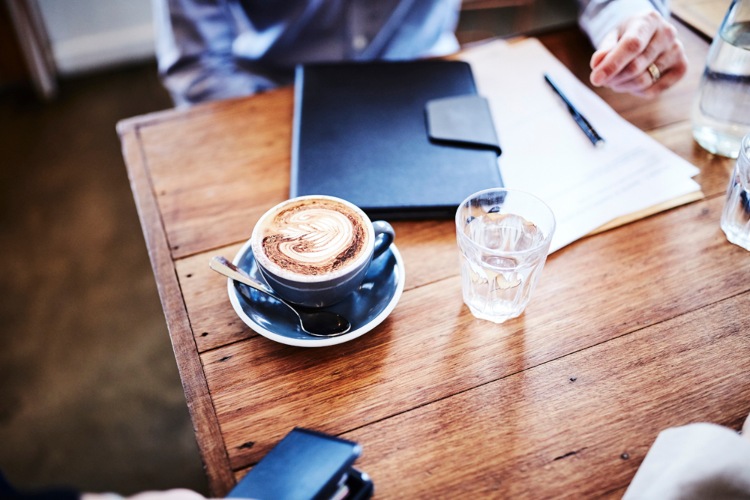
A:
(735, 219)
(721, 113)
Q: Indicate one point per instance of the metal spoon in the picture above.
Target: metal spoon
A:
(318, 323)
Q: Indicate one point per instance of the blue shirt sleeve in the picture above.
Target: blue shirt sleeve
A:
(217, 49)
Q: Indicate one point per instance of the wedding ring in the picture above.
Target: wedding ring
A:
(653, 70)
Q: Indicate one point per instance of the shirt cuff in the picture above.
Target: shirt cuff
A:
(599, 18)
(698, 460)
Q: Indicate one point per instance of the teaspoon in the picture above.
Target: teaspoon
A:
(318, 323)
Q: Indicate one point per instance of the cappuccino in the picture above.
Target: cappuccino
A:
(311, 238)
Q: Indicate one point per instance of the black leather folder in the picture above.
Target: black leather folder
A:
(306, 465)
(399, 139)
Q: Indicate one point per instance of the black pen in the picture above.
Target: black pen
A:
(581, 120)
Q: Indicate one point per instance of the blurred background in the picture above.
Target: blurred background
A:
(90, 396)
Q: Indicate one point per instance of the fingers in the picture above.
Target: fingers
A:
(634, 37)
(607, 44)
(671, 64)
(662, 42)
(640, 79)
(669, 77)
(640, 42)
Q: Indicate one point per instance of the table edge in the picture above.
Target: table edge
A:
(197, 394)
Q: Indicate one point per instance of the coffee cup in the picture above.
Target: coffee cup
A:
(315, 250)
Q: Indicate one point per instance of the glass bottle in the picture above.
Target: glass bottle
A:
(735, 219)
(721, 113)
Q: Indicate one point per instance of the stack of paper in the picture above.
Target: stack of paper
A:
(545, 153)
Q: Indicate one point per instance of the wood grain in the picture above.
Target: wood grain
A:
(431, 348)
(644, 318)
(199, 403)
(210, 197)
(705, 16)
(576, 427)
(428, 250)
(215, 194)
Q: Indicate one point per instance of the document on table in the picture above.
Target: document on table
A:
(547, 154)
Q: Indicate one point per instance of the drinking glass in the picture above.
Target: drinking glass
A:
(721, 112)
(735, 219)
(503, 238)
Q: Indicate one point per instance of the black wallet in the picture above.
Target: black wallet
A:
(306, 465)
(407, 139)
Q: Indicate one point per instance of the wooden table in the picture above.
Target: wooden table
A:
(704, 16)
(630, 331)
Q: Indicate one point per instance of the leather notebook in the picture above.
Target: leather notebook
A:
(400, 140)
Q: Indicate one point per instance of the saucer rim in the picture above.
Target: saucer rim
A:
(317, 341)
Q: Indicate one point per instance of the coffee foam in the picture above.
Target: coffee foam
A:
(313, 237)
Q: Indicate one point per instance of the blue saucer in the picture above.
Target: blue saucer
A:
(365, 308)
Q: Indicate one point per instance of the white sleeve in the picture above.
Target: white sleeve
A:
(694, 461)
(194, 51)
(599, 17)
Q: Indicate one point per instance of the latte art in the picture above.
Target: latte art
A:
(314, 237)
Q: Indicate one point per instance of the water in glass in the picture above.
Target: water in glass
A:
(735, 219)
(721, 113)
(499, 272)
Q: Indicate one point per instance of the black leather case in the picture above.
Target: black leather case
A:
(399, 139)
(306, 465)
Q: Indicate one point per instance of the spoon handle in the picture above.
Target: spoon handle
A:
(223, 266)
(318, 324)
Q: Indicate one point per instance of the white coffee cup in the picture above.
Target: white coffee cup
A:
(315, 250)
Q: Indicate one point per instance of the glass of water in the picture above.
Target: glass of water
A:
(721, 112)
(503, 239)
(735, 219)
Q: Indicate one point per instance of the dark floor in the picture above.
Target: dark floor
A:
(90, 396)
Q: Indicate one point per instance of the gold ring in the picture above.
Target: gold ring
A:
(654, 71)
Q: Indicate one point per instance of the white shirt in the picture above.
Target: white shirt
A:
(215, 49)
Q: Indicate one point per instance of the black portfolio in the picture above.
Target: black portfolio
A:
(398, 139)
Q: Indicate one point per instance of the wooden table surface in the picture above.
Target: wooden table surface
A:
(704, 16)
(630, 331)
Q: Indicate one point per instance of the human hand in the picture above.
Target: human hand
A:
(643, 57)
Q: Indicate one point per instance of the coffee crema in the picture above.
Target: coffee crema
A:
(313, 237)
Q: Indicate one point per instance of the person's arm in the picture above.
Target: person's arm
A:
(174, 494)
(699, 460)
(194, 51)
(631, 37)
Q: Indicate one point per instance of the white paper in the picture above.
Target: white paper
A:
(547, 154)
